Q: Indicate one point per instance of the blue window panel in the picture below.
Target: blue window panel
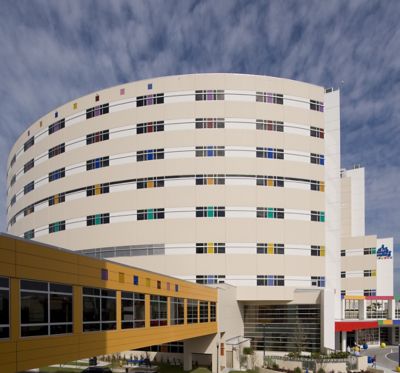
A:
(322, 282)
(150, 155)
(270, 280)
(210, 151)
(135, 280)
(270, 153)
(150, 86)
(322, 160)
(97, 163)
(176, 287)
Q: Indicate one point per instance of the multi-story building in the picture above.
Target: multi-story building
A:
(213, 178)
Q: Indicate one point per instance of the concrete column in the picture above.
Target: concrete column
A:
(362, 310)
(391, 309)
(187, 360)
(344, 341)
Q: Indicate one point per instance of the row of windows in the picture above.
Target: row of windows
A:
(157, 182)
(159, 213)
(47, 309)
(204, 248)
(366, 292)
(279, 280)
(154, 154)
(365, 251)
(153, 99)
(366, 273)
(97, 137)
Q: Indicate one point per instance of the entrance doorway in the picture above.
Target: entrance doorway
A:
(351, 339)
(385, 335)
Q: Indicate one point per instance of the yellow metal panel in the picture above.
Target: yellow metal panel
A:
(355, 297)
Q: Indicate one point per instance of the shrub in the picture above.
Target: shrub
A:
(320, 370)
(248, 351)
(297, 370)
(275, 366)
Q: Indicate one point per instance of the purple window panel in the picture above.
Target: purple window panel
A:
(210, 95)
(104, 274)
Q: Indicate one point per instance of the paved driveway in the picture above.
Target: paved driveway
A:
(386, 358)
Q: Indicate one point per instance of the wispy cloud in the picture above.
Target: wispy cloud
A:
(53, 51)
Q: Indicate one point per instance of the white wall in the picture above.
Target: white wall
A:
(384, 268)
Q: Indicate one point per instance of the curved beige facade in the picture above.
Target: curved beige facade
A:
(219, 176)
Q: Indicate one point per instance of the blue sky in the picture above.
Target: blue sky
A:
(54, 51)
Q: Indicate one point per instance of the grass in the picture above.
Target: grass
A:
(59, 370)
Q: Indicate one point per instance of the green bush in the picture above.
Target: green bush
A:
(297, 370)
(320, 370)
(275, 366)
(248, 351)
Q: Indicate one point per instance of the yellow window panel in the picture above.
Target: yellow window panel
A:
(121, 277)
(75, 105)
(373, 273)
(56, 199)
(97, 189)
(322, 186)
(210, 181)
(322, 252)
(150, 184)
(270, 248)
(270, 182)
(210, 248)
(147, 282)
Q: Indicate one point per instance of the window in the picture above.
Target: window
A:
(317, 105)
(57, 174)
(269, 125)
(98, 219)
(343, 274)
(268, 97)
(270, 213)
(369, 292)
(150, 182)
(210, 279)
(317, 250)
(99, 309)
(150, 214)
(369, 272)
(271, 248)
(213, 312)
(57, 226)
(150, 127)
(56, 199)
(342, 293)
(377, 309)
(13, 180)
(92, 164)
(317, 185)
(351, 310)
(97, 137)
(177, 311)
(97, 98)
(270, 153)
(318, 281)
(318, 216)
(13, 160)
(203, 311)
(97, 110)
(210, 151)
(29, 210)
(29, 235)
(4, 307)
(59, 125)
(275, 181)
(29, 187)
(192, 311)
(46, 308)
(147, 100)
(158, 284)
(370, 251)
(14, 198)
(132, 310)
(210, 212)
(209, 95)
(270, 280)
(29, 143)
(317, 132)
(28, 165)
(56, 150)
(212, 179)
(210, 248)
(135, 280)
(149, 155)
(94, 190)
(210, 123)
(317, 159)
(342, 252)
(158, 310)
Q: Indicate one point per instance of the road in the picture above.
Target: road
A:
(386, 358)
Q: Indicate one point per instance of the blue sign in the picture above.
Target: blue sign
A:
(383, 252)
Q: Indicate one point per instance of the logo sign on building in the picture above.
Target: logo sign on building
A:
(384, 253)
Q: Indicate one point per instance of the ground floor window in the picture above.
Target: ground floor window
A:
(46, 308)
(175, 347)
(99, 309)
(283, 327)
(4, 307)
(368, 336)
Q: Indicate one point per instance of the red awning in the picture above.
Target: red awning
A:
(343, 326)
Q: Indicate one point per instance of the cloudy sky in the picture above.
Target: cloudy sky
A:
(54, 51)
